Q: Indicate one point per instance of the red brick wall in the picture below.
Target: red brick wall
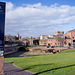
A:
(54, 42)
(71, 36)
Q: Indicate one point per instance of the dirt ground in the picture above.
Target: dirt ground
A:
(25, 54)
(30, 53)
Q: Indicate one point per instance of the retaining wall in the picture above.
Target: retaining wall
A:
(10, 49)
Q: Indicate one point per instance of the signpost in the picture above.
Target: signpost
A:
(2, 29)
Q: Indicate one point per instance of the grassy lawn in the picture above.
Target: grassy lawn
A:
(56, 64)
(29, 47)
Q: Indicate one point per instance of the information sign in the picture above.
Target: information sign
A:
(2, 27)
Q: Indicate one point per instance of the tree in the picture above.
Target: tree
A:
(39, 38)
(31, 37)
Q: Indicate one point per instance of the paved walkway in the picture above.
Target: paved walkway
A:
(10, 69)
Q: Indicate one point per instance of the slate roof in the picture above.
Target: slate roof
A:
(71, 30)
(51, 37)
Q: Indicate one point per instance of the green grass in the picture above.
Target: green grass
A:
(56, 64)
(29, 47)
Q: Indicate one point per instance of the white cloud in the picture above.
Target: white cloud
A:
(36, 19)
(9, 6)
(34, 5)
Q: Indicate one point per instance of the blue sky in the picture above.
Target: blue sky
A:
(39, 17)
(44, 2)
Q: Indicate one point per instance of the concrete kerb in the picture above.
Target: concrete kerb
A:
(10, 69)
(23, 69)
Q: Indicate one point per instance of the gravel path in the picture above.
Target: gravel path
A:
(10, 69)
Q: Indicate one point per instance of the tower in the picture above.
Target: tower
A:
(18, 35)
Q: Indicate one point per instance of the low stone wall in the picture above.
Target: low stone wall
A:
(48, 50)
(10, 49)
(45, 48)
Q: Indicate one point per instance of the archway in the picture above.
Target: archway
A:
(73, 43)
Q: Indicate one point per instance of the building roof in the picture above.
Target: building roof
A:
(51, 37)
(67, 38)
(71, 30)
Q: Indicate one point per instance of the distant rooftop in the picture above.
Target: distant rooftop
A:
(71, 30)
(51, 37)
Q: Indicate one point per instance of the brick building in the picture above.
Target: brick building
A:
(30, 41)
(56, 39)
(70, 37)
(43, 40)
(59, 39)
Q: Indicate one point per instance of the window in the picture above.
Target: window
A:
(69, 40)
(55, 43)
(44, 43)
(73, 33)
(45, 38)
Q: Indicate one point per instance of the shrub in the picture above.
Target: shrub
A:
(52, 46)
(50, 50)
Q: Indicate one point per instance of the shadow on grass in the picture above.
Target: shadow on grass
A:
(55, 69)
(15, 54)
(30, 67)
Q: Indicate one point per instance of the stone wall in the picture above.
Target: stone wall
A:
(11, 49)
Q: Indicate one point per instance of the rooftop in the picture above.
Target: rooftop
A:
(51, 37)
(71, 30)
